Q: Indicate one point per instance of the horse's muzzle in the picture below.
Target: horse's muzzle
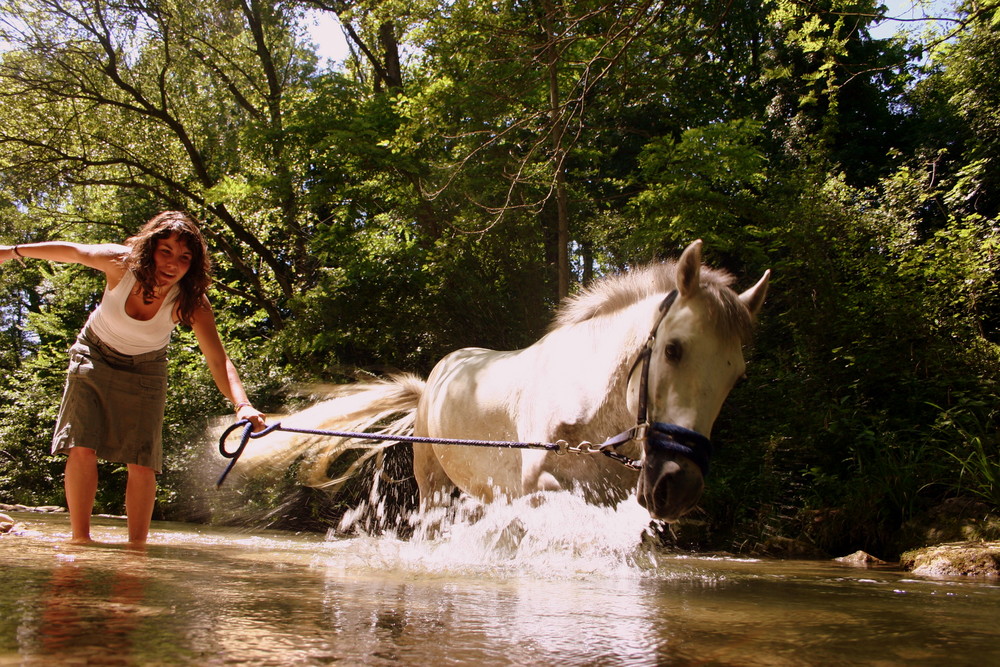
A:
(674, 466)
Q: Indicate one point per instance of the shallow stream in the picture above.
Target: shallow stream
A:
(561, 584)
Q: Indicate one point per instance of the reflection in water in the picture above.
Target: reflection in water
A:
(82, 614)
(89, 614)
(567, 585)
(513, 622)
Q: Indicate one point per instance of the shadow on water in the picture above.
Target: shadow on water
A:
(564, 583)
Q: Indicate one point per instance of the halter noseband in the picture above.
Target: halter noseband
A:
(664, 437)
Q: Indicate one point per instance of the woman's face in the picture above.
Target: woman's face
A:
(173, 259)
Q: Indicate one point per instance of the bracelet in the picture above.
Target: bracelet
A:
(242, 404)
(18, 256)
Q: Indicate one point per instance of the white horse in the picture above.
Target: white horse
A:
(581, 383)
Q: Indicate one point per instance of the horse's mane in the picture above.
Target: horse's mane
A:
(615, 292)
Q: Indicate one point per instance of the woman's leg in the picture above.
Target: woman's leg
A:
(140, 495)
(81, 488)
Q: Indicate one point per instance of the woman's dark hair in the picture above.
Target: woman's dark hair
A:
(195, 282)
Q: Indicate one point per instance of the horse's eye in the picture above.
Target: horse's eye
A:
(673, 352)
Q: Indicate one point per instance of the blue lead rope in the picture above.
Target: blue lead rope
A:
(248, 433)
(234, 456)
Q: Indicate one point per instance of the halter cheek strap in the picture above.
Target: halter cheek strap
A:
(660, 436)
(646, 356)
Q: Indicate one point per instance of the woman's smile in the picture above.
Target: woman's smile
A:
(173, 259)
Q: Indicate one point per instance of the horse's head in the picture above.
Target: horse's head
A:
(696, 358)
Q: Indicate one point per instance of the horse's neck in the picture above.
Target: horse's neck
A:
(584, 368)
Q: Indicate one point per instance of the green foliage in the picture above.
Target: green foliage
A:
(967, 433)
(706, 185)
(869, 320)
(165, 105)
(30, 399)
(375, 219)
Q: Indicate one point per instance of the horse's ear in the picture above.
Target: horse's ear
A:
(753, 298)
(689, 270)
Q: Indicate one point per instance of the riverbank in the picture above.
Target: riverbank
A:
(9, 524)
(959, 537)
(957, 559)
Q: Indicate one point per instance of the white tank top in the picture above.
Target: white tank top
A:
(124, 333)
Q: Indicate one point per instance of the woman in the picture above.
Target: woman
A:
(115, 394)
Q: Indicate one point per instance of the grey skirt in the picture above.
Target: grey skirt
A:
(113, 403)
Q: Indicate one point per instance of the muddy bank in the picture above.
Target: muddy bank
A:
(974, 559)
(958, 538)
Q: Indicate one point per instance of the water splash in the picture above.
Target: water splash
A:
(544, 535)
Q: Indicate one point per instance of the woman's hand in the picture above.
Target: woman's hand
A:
(252, 414)
(7, 253)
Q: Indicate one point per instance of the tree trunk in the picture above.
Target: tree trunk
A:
(557, 129)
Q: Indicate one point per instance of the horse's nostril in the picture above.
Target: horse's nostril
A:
(670, 469)
(669, 488)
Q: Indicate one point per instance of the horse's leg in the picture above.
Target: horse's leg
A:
(533, 477)
(432, 481)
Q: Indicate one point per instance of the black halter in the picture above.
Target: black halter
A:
(664, 437)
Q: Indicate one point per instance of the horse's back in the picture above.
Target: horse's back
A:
(469, 394)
